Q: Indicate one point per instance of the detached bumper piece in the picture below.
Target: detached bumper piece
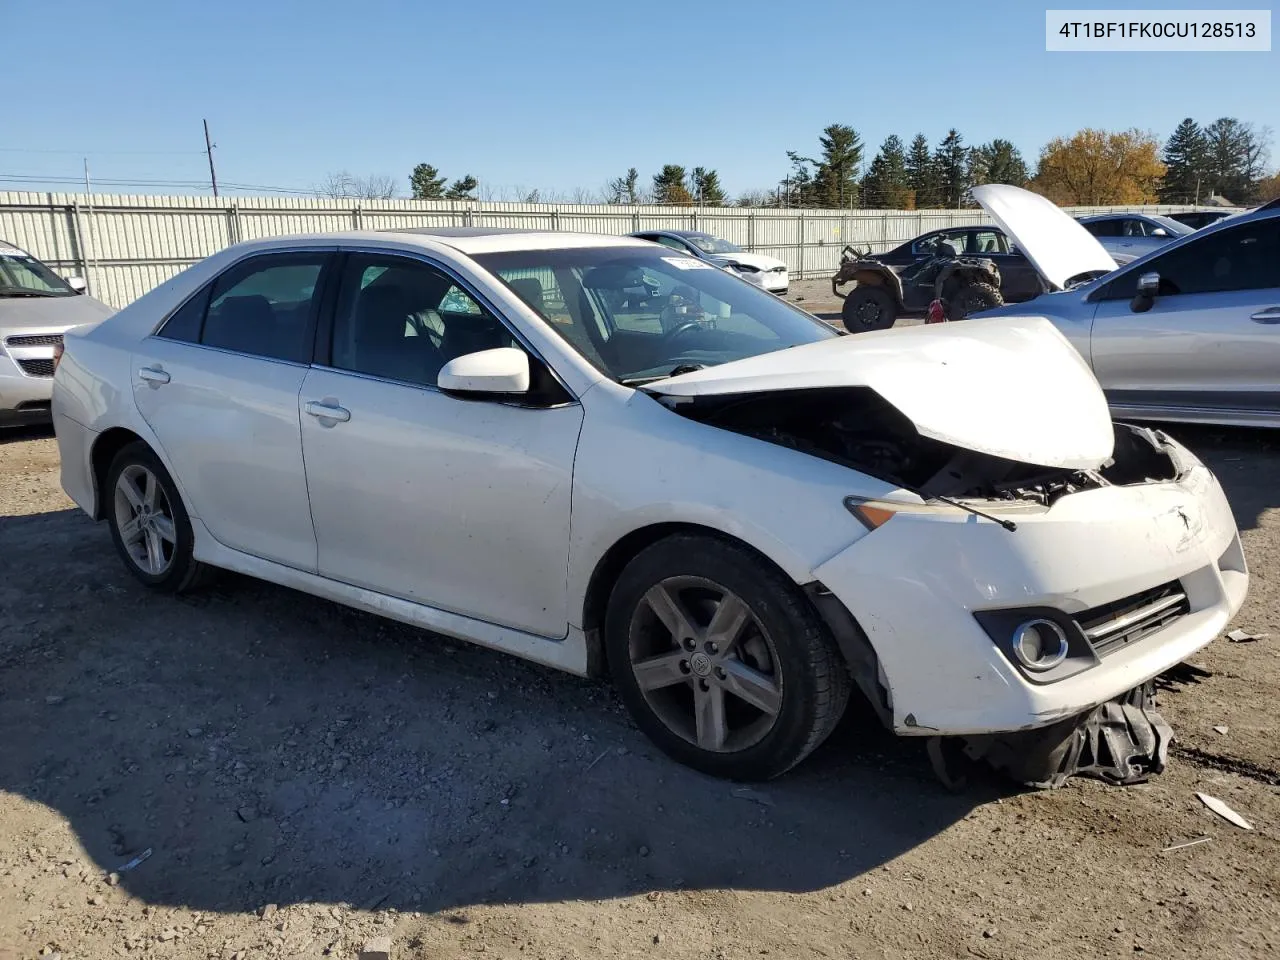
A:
(1122, 742)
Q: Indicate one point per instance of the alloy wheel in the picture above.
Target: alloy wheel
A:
(704, 664)
(144, 519)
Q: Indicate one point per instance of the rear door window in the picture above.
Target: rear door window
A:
(264, 307)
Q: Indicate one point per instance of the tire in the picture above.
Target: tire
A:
(781, 656)
(134, 473)
(972, 298)
(868, 308)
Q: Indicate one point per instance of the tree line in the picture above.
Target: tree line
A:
(1225, 158)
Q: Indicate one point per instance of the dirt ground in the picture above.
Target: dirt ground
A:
(302, 778)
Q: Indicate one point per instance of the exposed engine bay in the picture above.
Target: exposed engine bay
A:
(856, 427)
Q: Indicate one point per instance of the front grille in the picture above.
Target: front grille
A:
(36, 368)
(1115, 625)
(34, 340)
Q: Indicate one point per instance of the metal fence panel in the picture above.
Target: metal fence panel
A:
(125, 245)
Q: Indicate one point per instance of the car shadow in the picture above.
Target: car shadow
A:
(250, 745)
(24, 432)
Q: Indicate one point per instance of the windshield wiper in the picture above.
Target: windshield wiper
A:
(674, 372)
(26, 293)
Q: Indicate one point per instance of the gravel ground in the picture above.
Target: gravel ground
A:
(303, 778)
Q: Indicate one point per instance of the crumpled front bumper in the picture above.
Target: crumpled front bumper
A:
(914, 584)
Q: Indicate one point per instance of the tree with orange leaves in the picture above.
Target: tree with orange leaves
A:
(1100, 168)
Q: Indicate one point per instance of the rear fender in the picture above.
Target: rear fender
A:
(867, 274)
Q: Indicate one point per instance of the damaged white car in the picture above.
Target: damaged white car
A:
(614, 460)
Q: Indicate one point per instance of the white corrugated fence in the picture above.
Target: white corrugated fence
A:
(124, 245)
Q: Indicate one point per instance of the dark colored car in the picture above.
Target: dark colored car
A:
(1195, 219)
(1019, 280)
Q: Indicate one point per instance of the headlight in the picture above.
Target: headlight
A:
(746, 268)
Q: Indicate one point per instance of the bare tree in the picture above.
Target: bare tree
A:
(583, 195)
(344, 185)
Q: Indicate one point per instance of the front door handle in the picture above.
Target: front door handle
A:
(1269, 315)
(327, 411)
(153, 375)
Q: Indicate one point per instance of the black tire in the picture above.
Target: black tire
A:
(811, 678)
(868, 308)
(181, 571)
(972, 298)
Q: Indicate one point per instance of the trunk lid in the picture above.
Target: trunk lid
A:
(1009, 387)
(1055, 243)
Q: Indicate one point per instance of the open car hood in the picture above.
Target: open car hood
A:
(1009, 387)
(1056, 244)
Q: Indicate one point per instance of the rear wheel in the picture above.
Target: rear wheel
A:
(868, 308)
(972, 298)
(149, 523)
(721, 659)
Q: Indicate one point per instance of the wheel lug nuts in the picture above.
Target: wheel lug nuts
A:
(684, 666)
(688, 643)
(711, 647)
(704, 685)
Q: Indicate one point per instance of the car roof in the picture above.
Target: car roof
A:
(6, 247)
(673, 233)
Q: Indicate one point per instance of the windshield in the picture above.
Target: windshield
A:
(641, 315)
(25, 276)
(708, 244)
(1173, 226)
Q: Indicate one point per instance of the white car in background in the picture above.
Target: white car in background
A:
(36, 308)
(769, 273)
(612, 459)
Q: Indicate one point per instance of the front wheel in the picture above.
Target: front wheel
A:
(868, 308)
(149, 523)
(721, 659)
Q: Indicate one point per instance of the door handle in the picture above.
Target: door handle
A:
(1269, 315)
(153, 375)
(327, 411)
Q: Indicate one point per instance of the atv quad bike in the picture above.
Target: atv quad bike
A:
(879, 296)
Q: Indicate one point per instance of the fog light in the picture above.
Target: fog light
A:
(1039, 645)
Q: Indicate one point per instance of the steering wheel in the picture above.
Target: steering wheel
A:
(681, 329)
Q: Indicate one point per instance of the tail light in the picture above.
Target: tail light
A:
(57, 356)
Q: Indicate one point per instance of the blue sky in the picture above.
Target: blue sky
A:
(559, 94)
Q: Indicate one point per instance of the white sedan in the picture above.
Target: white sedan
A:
(612, 459)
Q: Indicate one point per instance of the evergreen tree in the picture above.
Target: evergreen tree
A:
(463, 188)
(920, 174)
(951, 167)
(886, 184)
(425, 182)
(998, 162)
(1184, 163)
(669, 188)
(706, 187)
(625, 189)
(837, 176)
(1234, 158)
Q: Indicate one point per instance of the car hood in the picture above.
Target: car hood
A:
(757, 260)
(44, 313)
(1010, 387)
(1056, 244)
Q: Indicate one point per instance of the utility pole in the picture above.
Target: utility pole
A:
(93, 230)
(208, 148)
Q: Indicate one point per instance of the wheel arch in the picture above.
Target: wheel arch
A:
(859, 654)
(105, 447)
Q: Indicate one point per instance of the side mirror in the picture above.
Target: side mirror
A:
(77, 284)
(1159, 232)
(504, 370)
(1148, 287)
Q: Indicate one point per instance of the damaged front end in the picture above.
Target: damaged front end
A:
(1121, 741)
(856, 427)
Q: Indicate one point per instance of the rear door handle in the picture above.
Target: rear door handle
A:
(327, 411)
(153, 375)
(1269, 315)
